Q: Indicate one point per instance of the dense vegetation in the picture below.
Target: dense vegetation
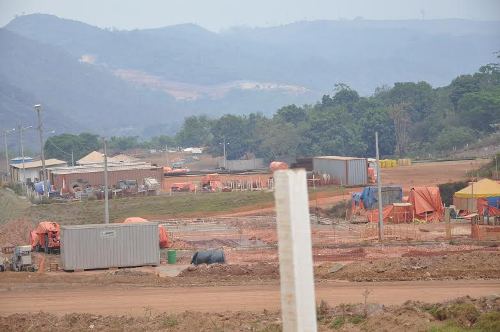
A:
(411, 118)
(70, 68)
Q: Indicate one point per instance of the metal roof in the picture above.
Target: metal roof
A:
(338, 158)
(38, 163)
(94, 168)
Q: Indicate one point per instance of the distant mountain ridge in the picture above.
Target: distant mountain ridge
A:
(151, 76)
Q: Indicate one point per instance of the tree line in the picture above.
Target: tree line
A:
(412, 119)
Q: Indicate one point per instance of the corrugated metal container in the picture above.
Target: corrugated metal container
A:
(348, 171)
(112, 245)
(242, 165)
(390, 195)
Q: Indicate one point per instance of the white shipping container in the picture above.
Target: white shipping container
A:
(112, 245)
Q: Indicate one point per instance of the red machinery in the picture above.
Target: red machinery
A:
(46, 237)
(211, 182)
(183, 187)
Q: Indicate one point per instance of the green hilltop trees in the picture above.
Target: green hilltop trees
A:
(411, 119)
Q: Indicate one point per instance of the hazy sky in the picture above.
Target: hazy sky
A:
(220, 14)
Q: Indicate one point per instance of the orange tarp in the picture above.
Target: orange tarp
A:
(427, 203)
(33, 239)
(162, 232)
(46, 227)
(392, 213)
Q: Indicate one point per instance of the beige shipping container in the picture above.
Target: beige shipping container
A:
(113, 245)
(348, 171)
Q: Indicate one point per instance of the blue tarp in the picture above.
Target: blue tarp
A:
(390, 194)
(494, 201)
(39, 187)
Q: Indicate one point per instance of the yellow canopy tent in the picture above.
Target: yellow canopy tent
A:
(482, 188)
(466, 199)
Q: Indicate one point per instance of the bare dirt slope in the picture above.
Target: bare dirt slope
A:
(430, 173)
(457, 315)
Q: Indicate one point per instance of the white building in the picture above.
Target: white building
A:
(31, 171)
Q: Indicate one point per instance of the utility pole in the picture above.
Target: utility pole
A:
(21, 138)
(72, 158)
(5, 133)
(106, 203)
(379, 189)
(38, 109)
(166, 154)
(225, 158)
(496, 168)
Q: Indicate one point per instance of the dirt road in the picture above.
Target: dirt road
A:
(134, 300)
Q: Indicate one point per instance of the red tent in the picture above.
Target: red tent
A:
(162, 232)
(427, 204)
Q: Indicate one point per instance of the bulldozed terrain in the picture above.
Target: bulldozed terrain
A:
(417, 262)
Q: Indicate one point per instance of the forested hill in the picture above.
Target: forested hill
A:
(121, 82)
(412, 119)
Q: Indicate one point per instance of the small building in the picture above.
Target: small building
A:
(348, 171)
(93, 174)
(31, 171)
(96, 157)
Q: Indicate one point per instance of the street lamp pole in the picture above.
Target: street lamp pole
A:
(225, 158)
(21, 139)
(5, 133)
(38, 109)
(106, 203)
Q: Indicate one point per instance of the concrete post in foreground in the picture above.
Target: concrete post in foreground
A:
(298, 305)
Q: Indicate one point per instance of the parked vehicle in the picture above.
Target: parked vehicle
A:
(21, 259)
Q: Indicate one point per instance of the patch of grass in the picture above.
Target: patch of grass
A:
(87, 212)
(448, 327)
(465, 314)
(337, 323)
(489, 322)
(12, 206)
(272, 328)
(356, 319)
(323, 311)
(170, 321)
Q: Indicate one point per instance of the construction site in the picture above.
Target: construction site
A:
(256, 166)
(218, 246)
